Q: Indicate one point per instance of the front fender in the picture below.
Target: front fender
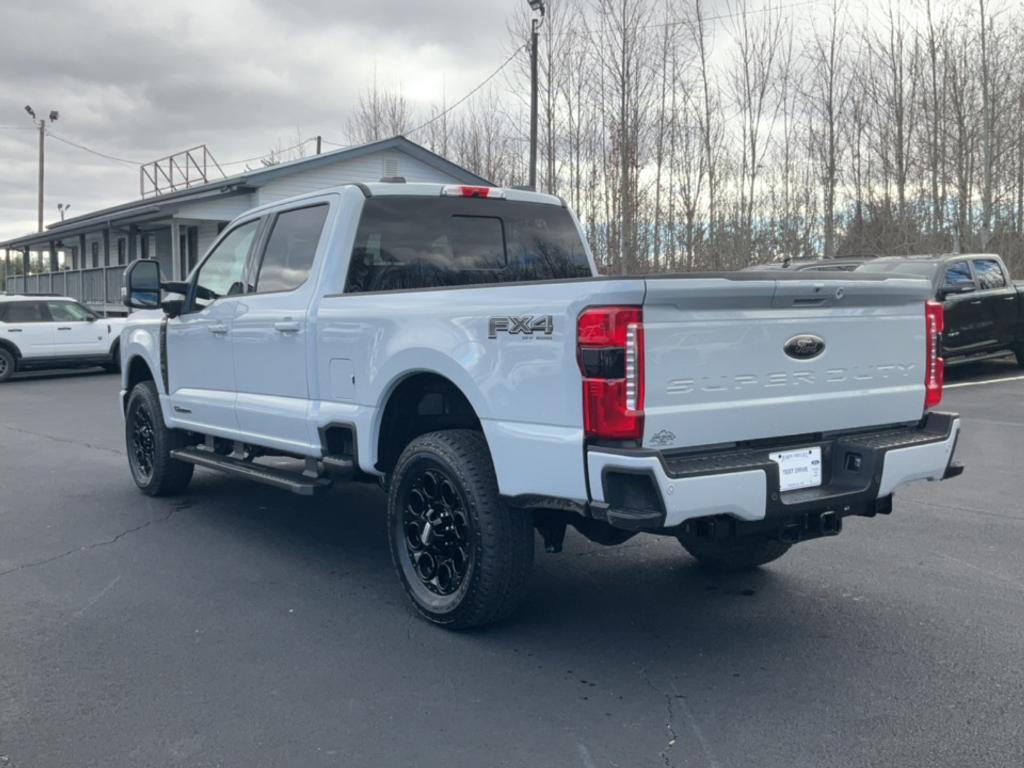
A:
(141, 343)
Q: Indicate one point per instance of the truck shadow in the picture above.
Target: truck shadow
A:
(645, 601)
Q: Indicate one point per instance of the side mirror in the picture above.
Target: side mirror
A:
(141, 286)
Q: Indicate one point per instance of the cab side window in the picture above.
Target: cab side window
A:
(222, 273)
(990, 274)
(958, 276)
(290, 249)
(26, 312)
(68, 312)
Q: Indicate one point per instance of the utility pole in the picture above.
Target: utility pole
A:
(41, 124)
(535, 5)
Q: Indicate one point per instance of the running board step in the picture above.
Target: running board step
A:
(341, 467)
(278, 478)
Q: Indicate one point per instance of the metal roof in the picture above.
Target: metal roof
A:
(237, 184)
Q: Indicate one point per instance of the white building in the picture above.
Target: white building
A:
(87, 253)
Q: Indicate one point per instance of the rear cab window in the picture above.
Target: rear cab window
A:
(405, 243)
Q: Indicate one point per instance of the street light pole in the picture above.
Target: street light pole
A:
(535, 5)
(41, 124)
(42, 156)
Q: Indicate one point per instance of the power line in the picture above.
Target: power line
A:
(17, 128)
(90, 150)
(705, 19)
(272, 152)
(477, 88)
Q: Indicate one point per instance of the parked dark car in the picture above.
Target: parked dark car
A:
(984, 309)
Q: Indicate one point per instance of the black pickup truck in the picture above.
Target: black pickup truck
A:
(984, 308)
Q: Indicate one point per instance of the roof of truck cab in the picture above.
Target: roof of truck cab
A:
(935, 257)
(407, 189)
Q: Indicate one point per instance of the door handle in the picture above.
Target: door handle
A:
(14, 330)
(218, 329)
(1009, 298)
(65, 328)
(287, 326)
(976, 302)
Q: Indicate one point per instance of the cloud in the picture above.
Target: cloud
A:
(142, 80)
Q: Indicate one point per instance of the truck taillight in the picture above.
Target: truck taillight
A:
(610, 350)
(934, 367)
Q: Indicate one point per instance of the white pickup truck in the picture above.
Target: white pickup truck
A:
(39, 332)
(456, 344)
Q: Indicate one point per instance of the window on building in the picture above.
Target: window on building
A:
(95, 254)
(222, 273)
(121, 248)
(990, 274)
(290, 249)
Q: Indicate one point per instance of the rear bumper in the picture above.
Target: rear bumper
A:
(649, 490)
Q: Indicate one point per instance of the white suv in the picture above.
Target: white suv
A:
(55, 332)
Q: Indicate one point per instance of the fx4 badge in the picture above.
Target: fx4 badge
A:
(530, 326)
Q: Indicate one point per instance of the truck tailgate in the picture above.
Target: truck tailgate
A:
(717, 369)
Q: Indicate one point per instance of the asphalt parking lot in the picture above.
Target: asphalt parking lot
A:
(241, 626)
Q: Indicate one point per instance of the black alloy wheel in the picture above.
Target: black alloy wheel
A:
(437, 531)
(143, 442)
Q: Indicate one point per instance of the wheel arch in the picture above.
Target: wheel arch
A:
(135, 371)
(11, 347)
(415, 403)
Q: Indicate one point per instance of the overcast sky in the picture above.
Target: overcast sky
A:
(142, 80)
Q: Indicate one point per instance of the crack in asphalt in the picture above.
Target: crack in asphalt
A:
(56, 439)
(671, 732)
(87, 547)
(666, 758)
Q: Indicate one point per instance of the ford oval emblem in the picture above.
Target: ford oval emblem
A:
(804, 347)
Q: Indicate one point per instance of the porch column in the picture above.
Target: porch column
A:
(175, 251)
(133, 236)
(25, 265)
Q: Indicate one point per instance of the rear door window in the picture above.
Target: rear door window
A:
(290, 250)
(420, 242)
(958, 275)
(990, 274)
(27, 312)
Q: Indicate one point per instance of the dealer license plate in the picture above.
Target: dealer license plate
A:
(800, 468)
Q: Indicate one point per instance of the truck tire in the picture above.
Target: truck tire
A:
(462, 554)
(8, 365)
(740, 554)
(149, 443)
(114, 366)
(1018, 352)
